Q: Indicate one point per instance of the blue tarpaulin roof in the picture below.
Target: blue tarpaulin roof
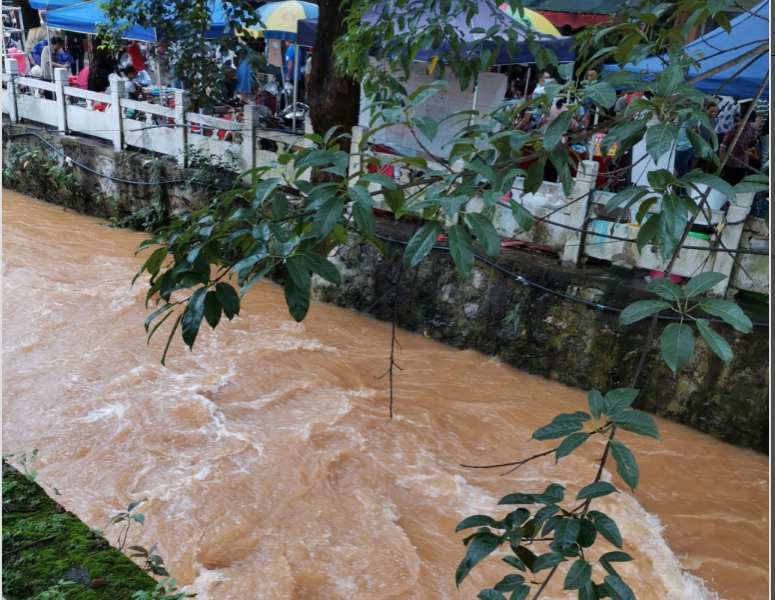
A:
(488, 16)
(84, 18)
(52, 4)
(719, 47)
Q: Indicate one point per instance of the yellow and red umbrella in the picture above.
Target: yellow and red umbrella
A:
(280, 19)
(532, 19)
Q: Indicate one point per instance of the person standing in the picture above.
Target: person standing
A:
(290, 70)
(737, 163)
(47, 64)
(74, 47)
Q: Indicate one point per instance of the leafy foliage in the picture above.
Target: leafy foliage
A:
(677, 341)
(572, 525)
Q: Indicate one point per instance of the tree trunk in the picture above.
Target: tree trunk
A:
(30, 17)
(101, 65)
(334, 101)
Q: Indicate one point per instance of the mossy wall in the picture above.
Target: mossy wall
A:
(43, 544)
(579, 345)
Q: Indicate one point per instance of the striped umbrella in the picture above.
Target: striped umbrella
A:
(280, 19)
(532, 19)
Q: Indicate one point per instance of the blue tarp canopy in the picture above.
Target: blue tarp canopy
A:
(52, 4)
(84, 18)
(719, 47)
(488, 16)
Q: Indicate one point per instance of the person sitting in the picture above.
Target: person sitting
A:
(737, 164)
(132, 90)
(9, 43)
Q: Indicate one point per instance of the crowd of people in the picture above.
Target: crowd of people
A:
(747, 153)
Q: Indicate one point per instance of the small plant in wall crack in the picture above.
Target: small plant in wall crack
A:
(565, 529)
(677, 339)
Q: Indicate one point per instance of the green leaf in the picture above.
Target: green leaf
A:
(660, 138)
(750, 184)
(588, 534)
(636, 422)
(297, 299)
(509, 583)
(625, 466)
(490, 595)
(486, 232)
(378, 178)
(547, 561)
(640, 310)
(631, 130)
(547, 512)
(619, 399)
(322, 266)
(514, 562)
(670, 79)
(615, 557)
(595, 490)
(264, 190)
(566, 532)
(702, 283)
(595, 401)
(648, 230)
(665, 288)
(569, 444)
(169, 339)
(677, 345)
(602, 94)
(516, 518)
(626, 198)
(672, 222)
(588, 591)
(521, 592)
(557, 129)
(327, 216)
(699, 145)
(618, 589)
(229, 299)
(427, 126)
(579, 574)
(728, 311)
(713, 182)
(715, 341)
(522, 216)
(212, 309)
(517, 499)
(553, 493)
(153, 264)
(462, 250)
(421, 244)
(714, 6)
(476, 521)
(534, 178)
(557, 430)
(481, 546)
(526, 556)
(192, 316)
(606, 527)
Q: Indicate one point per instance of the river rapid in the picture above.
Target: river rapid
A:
(271, 469)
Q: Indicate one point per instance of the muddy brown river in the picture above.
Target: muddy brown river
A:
(271, 469)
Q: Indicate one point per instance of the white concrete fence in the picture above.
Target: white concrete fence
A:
(176, 132)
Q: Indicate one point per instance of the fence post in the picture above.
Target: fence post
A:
(355, 148)
(730, 237)
(60, 81)
(577, 211)
(117, 90)
(12, 69)
(181, 106)
(249, 140)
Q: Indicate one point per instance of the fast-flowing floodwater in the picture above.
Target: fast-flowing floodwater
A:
(268, 460)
